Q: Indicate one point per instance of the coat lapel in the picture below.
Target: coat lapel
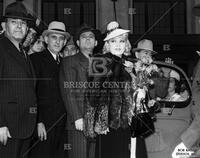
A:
(50, 61)
(14, 52)
(83, 61)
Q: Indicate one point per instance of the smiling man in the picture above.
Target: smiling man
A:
(51, 110)
(18, 108)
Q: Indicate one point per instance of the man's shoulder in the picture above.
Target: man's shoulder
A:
(71, 59)
(5, 45)
(36, 56)
(3, 41)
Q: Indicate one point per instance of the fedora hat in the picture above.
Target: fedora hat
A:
(85, 28)
(113, 30)
(56, 27)
(16, 10)
(145, 44)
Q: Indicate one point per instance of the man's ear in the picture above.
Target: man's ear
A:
(96, 42)
(27, 28)
(137, 55)
(77, 42)
(65, 42)
(46, 39)
(3, 25)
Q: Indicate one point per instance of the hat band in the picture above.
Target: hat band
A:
(58, 30)
(111, 30)
(16, 14)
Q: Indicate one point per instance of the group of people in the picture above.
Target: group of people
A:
(44, 93)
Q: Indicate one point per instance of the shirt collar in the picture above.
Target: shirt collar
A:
(53, 54)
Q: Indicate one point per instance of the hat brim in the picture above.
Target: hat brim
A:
(47, 32)
(17, 17)
(139, 49)
(116, 33)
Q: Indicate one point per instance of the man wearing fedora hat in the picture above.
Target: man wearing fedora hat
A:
(74, 70)
(18, 108)
(144, 52)
(51, 110)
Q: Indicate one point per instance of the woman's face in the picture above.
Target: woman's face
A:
(117, 45)
(172, 85)
(38, 46)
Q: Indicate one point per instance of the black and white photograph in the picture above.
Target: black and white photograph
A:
(100, 79)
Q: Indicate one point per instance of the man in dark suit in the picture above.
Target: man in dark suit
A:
(51, 110)
(18, 109)
(74, 71)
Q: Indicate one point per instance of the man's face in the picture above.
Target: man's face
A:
(15, 29)
(69, 50)
(87, 41)
(144, 54)
(55, 42)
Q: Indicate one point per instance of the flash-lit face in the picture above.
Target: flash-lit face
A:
(143, 54)
(55, 42)
(117, 45)
(15, 29)
(38, 46)
(172, 84)
(87, 41)
(69, 50)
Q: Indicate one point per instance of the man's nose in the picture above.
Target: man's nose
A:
(58, 40)
(19, 24)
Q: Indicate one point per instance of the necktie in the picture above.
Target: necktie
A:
(57, 59)
(21, 51)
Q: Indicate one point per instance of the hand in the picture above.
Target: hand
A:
(79, 124)
(128, 66)
(4, 135)
(169, 60)
(42, 134)
(181, 151)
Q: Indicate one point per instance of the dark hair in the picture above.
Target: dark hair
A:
(177, 86)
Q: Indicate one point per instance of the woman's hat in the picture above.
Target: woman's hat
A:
(113, 30)
(145, 44)
(174, 74)
(56, 27)
(16, 10)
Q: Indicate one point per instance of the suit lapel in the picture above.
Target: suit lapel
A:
(83, 61)
(50, 61)
(13, 51)
(83, 65)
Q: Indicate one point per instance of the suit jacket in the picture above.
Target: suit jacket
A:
(72, 72)
(17, 92)
(50, 104)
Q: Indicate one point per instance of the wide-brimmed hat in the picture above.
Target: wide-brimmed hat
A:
(113, 30)
(174, 74)
(16, 10)
(56, 27)
(145, 44)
